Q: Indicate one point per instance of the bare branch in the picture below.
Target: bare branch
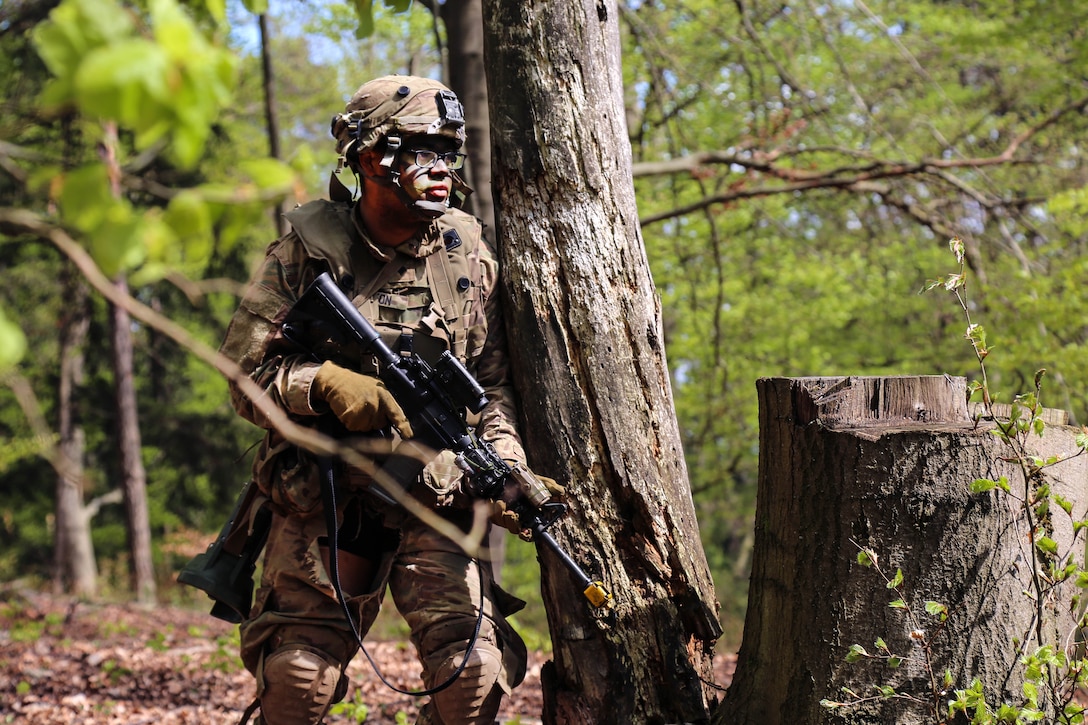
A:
(23, 222)
(845, 177)
(95, 504)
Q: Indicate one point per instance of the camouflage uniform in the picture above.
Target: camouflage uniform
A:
(441, 291)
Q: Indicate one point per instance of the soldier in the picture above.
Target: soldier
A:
(419, 270)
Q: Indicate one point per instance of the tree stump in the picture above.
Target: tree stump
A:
(886, 464)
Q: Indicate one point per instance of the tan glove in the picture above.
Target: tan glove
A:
(361, 402)
(558, 492)
(507, 519)
(502, 516)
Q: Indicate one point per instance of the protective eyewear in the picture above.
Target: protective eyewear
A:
(425, 158)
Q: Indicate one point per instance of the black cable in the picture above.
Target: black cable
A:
(328, 495)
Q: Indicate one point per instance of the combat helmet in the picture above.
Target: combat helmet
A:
(387, 111)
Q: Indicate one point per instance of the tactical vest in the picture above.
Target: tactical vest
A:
(422, 304)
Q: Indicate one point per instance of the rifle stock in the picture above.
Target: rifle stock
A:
(225, 571)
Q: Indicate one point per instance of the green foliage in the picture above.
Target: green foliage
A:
(159, 78)
(786, 275)
(163, 82)
(355, 709)
(12, 344)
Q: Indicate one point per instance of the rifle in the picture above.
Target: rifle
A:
(434, 400)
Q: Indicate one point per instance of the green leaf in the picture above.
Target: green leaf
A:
(1046, 545)
(895, 661)
(117, 244)
(270, 175)
(124, 82)
(898, 604)
(365, 11)
(218, 9)
(1082, 440)
(75, 27)
(1042, 509)
(85, 196)
(865, 558)
(937, 610)
(12, 343)
(856, 653)
(982, 485)
(896, 580)
(188, 215)
(162, 246)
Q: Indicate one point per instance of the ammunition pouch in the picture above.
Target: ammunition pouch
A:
(288, 476)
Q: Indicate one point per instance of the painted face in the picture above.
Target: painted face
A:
(426, 165)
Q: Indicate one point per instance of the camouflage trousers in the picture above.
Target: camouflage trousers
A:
(435, 586)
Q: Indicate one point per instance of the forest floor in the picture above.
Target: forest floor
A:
(64, 661)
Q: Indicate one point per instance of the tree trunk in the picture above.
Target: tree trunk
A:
(75, 569)
(465, 33)
(589, 366)
(885, 464)
(133, 477)
(272, 125)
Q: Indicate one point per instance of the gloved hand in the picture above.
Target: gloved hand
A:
(558, 492)
(361, 402)
(502, 516)
(507, 519)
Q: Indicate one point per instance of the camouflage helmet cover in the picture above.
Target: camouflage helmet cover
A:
(397, 106)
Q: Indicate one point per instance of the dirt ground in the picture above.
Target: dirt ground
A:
(65, 662)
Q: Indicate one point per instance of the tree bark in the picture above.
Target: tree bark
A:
(885, 464)
(589, 366)
(133, 476)
(75, 568)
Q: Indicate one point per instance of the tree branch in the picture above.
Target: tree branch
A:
(22, 222)
(95, 504)
(843, 177)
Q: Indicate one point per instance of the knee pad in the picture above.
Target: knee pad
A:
(475, 696)
(298, 686)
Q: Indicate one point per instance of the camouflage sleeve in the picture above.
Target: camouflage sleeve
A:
(254, 339)
(498, 421)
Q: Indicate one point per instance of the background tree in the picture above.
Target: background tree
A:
(800, 168)
(74, 567)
